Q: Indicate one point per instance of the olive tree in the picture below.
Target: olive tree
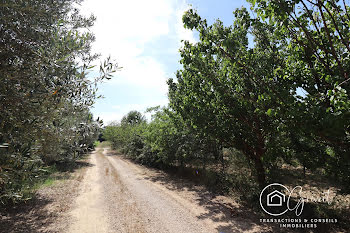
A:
(46, 90)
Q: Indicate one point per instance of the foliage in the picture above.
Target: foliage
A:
(316, 34)
(133, 118)
(125, 135)
(283, 96)
(280, 98)
(165, 142)
(242, 108)
(45, 91)
(228, 90)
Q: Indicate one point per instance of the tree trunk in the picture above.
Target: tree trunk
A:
(260, 172)
(255, 154)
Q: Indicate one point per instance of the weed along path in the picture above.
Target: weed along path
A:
(117, 195)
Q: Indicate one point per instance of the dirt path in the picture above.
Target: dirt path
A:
(87, 216)
(105, 192)
(117, 195)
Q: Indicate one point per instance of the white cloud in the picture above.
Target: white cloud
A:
(146, 72)
(110, 117)
(116, 107)
(181, 32)
(123, 29)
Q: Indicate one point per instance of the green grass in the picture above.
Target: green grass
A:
(96, 143)
(105, 144)
(102, 144)
(50, 176)
(45, 180)
(49, 182)
(30, 186)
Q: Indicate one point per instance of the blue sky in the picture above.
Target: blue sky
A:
(144, 38)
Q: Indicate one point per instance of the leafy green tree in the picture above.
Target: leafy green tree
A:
(162, 136)
(126, 135)
(229, 90)
(174, 143)
(285, 95)
(317, 55)
(133, 118)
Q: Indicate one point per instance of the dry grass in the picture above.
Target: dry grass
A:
(46, 211)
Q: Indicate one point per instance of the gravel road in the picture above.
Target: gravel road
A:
(117, 195)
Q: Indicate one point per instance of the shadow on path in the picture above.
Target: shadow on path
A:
(41, 213)
(227, 215)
